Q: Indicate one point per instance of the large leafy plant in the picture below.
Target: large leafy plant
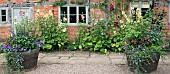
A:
(52, 34)
(143, 37)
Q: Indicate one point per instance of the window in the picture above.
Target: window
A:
(142, 5)
(73, 14)
(3, 15)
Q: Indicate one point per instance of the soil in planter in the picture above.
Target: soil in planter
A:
(146, 67)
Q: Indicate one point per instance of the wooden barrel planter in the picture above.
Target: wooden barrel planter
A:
(30, 59)
(145, 67)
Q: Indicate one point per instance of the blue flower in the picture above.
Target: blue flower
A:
(138, 47)
(15, 50)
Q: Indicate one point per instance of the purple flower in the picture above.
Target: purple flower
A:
(21, 49)
(16, 47)
(29, 50)
(3, 47)
(15, 50)
(9, 47)
(133, 50)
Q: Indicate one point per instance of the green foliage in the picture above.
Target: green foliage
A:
(59, 3)
(52, 34)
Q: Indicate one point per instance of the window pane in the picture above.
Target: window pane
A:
(72, 10)
(64, 18)
(3, 18)
(3, 12)
(82, 10)
(82, 18)
(73, 19)
(144, 10)
(63, 10)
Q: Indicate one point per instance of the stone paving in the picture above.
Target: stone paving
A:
(83, 57)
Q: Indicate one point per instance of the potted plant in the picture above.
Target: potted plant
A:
(21, 49)
(143, 41)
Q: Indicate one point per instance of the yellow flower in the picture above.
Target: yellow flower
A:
(50, 12)
(59, 45)
(38, 11)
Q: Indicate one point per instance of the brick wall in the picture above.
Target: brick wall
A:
(71, 29)
(5, 31)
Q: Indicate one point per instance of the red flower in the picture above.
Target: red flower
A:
(150, 43)
(146, 38)
(143, 44)
(6, 43)
(134, 42)
(115, 24)
(111, 7)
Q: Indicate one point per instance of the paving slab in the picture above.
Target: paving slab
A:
(64, 54)
(41, 54)
(98, 61)
(82, 54)
(64, 58)
(114, 55)
(77, 61)
(78, 58)
(118, 61)
(48, 60)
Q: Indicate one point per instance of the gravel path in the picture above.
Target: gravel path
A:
(88, 69)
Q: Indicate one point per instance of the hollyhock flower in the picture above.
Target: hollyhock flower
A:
(82, 17)
(115, 24)
(111, 7)
(134, 42)
(146, 38)
(53, 12)
(150, 43)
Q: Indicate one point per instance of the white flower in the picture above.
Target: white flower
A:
(15, 17)
(65, 19)
(121, 21)
(114, 32)
(123, 12)
(64, 30)
(26, 14)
